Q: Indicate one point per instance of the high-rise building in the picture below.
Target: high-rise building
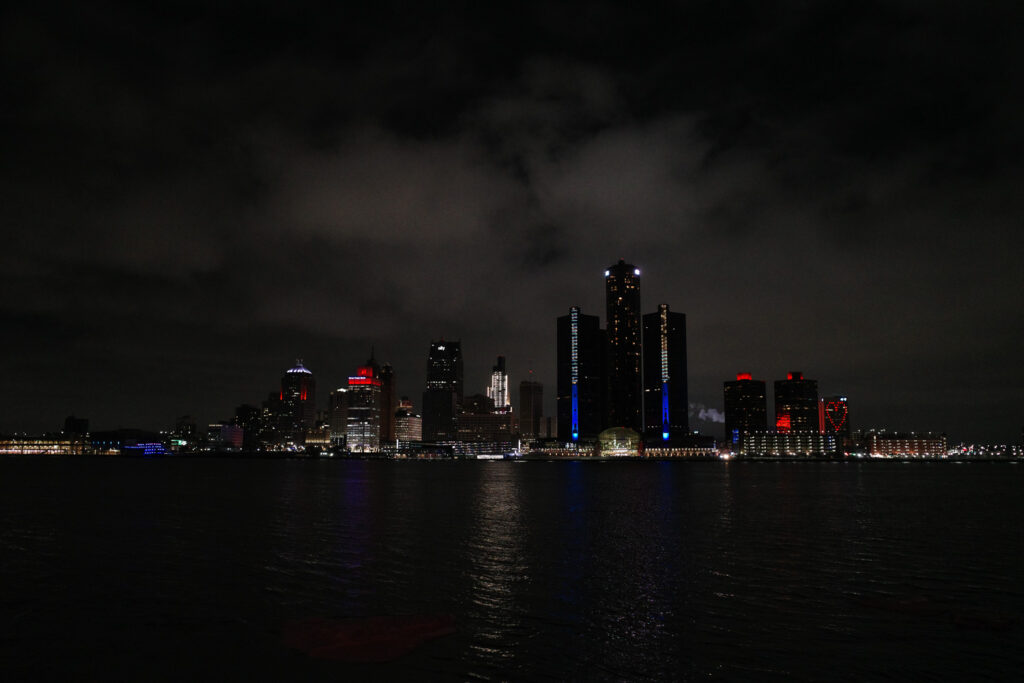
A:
(298, 403)
(746, 408)
(796, 404)
(498, 390)
(581, 363)
(480, 422)
(625, 391)
(834, 418)
(363, 419)
(442, 399)
(337, 416)
(665, 397)
(388, 403)
(531, 408)
(408, 424)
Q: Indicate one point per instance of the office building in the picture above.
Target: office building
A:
(902, 445)
(363, 415)
(297, 409)
(746, 409)
(408, 424)
(582, 383)
(790, 444)
(337, 416)
(388, 403)
(498, 389)
(625, 392)
(442, 400)
(481, 422)
(531, 408)
(665, 399)
(796, 404)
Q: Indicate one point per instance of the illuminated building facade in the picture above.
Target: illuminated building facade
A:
(664, 362)
(796, 404)
(581, 363)
(897, 445)
(363, 419)
(408, 424)
(498, 390)
(531, 408)
(834, 418)
(625, 391)
(297, 403)
(442, 399)
(746, 409)
(792, 444)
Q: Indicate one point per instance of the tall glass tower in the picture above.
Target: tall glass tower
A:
(625, 381)
(665, 396)
(442, 400)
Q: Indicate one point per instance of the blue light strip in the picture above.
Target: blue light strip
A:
(664, 411)
(574, 333)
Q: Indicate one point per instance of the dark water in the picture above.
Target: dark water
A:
(170, 569)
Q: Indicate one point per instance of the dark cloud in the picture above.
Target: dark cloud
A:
(193, 194)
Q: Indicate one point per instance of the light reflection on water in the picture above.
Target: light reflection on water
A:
(566, 570)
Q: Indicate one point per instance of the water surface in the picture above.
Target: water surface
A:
(172, 568)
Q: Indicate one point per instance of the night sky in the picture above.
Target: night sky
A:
(192, 196)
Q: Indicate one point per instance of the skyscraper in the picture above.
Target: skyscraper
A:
(337, 416)
(664, 364)
(625, 392)
(582, 356)
(746, 409)
(498, 390)
(531, 408)
(796, 404)
(298, 403)
(442, 399)
(363, 418)
(388, 403)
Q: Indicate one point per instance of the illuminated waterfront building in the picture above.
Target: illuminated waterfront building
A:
(297, 403)
(796, 404)
(665, 397)
(622, 300)
(531, 408)
(408, 424)
(225, 435)
(363, 419)
(834, 418)
(791, 444)
(498, 390)
(900, 445)
(581, 363)
(745, 409)
(442, 399)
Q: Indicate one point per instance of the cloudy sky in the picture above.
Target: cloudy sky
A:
(193, 195)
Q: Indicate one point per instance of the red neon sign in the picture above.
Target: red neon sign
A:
(743, 375)
(783, 423)
(366, 371)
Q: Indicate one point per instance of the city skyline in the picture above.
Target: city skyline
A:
(196, 196)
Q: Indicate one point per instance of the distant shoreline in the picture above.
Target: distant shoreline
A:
(260, 455)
